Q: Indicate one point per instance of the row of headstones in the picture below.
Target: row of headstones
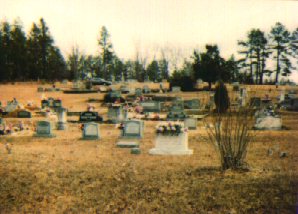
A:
(132, 128)
(130, 136)
(51, 103)
(117, 113)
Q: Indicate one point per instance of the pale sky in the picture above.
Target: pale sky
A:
(151, 24)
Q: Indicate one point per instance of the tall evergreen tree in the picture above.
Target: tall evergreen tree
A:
(153, 71)
(19, 52)
(106, 50)
(209, 66)
(46, 44)
(294, 45)
(7, 71)
(280, 44)
(34, 53)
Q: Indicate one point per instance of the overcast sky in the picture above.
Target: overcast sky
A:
(149, 24)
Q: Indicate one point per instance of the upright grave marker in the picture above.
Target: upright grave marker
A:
(91, 131)
(131, 134)
(151, 106)
(116, 114)
(171, 140)
(90, 116)
(44, 129)
(62, 118)
(176, 89)
(24, 114)
(190, 123)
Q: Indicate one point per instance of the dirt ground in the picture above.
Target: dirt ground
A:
(68, 175)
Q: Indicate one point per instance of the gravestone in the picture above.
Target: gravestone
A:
(267, 119)
(171, 145)
(76, 85)
(242, 96)
(45, 104)
(138, 92)
(51, 101)
(91, 131)
(89, 116)
(24, 114)
(115, 94)
(116, 114)
(190, 123)
(192, 104)
(131, 134)
(133, 129)
(62, 118)
(291, 104)
(282, 96)
(176, 112)
(255, 102)
(236, 86)
(44, 129)
(146, 89)
(57, 103)
(40, 89)
(151, 106)
(176, 89)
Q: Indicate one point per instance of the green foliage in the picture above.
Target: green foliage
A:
(180, 78)
(107, 52)
(209, 66)
(256, 52)
(35, 57)
(221, 98)
(153, 71)
(280, 38)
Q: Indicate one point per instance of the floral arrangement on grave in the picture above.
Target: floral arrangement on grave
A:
(170, 128)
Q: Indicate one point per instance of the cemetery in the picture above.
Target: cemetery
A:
(149, 107)
(129, 146)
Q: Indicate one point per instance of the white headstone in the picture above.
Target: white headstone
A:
(171, 145)
(91, 131)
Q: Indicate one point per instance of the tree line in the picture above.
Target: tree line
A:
(36, 57)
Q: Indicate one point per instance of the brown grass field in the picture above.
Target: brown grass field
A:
(69, 175)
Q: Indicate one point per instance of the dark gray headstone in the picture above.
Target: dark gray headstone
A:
(57, 103)
(45, 103)
(24, 114)
(255, 102)
(44, 129)
(89, 116)
(138, 92)
(192, 104)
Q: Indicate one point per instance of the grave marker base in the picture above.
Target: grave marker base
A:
(128, 143)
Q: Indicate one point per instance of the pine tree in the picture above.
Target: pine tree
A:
(280, 44)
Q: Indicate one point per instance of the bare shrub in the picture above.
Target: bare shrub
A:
(231, 134)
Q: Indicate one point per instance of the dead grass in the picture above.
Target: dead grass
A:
(68, 175)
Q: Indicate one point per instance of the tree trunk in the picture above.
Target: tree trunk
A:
(210, 85)
(277, 67)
